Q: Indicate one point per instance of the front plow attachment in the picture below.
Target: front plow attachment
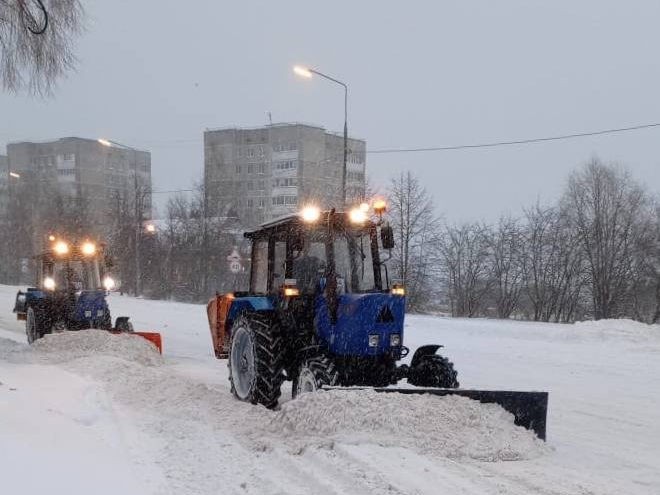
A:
(529, 409)
(152, 337)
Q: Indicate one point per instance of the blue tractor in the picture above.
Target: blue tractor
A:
(322, 311)
(70, 294)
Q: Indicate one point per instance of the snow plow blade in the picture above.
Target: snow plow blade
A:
(529, 409)
(152, 337)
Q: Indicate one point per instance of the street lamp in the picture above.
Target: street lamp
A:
(307, 73)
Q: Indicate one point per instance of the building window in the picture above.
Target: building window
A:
(261, 185)
(250, 186)
(285, 200)
(285, 147)
(250, 168)
(285, 182)
(238, 169)
(250, 203)
(250, 152)
(286, 165)
(262, 168)
(262, 202)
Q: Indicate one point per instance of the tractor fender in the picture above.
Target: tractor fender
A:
(247, 304)
(423, 351)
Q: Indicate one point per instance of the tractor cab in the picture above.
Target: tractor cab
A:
(325, 272)
(73, 269)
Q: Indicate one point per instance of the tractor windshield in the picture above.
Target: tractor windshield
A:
(353, 261)
(75, 274)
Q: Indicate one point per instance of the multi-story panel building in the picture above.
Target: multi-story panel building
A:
(96, 170)
(266, 172)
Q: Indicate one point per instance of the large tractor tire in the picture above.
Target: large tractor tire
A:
(35, 324)
(434, 371)
(256, 358)
(313, 374)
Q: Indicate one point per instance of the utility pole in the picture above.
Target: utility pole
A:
(138, 228)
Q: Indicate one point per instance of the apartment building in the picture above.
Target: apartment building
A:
(96, 170)
(266, 172)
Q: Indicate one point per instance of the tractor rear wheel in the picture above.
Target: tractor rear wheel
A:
(34, 324)
(434, 371)
(256, 359)
(315, 373)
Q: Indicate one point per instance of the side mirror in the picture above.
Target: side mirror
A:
(387, 236)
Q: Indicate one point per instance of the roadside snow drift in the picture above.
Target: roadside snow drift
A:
(451, 426)
(454, 427)
(67, 346)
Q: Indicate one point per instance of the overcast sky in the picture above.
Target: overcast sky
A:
(155, 74)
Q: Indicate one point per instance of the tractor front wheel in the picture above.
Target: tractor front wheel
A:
(256, 360)
(315, 373)
(34, 325)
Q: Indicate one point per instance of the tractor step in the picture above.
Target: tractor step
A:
(529, 409)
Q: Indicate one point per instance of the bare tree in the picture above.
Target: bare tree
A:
(466, 254)
(507, 252)
(645, 293)
(607, 210)
(417, 228)
(552, 265)
(36, 39)
(129, 209)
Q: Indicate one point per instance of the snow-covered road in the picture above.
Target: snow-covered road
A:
(106, 424)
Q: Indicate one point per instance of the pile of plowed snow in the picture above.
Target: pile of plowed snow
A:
(67, 346)
(450, 426)
(634, 331)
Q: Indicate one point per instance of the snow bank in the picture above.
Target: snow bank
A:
(67, 346)
(451, 426)
(617, 329)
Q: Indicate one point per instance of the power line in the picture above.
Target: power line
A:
(517, 141)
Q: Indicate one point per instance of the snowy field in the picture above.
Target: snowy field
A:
(124, 420)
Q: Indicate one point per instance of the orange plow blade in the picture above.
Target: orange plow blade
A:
(152, 337)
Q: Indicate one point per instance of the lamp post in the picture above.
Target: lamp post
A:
(308, 73)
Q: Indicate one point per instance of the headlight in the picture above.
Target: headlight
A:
(49, 283)
(88, 248)
(310, 214)
(398, 290)
(108, 283)
(61, 247)
(357, 215)
(395, 340)
(373, 340)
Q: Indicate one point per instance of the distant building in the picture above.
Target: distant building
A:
(95, 170)
(265, 172)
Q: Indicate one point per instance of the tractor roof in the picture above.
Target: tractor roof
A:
(294, 221)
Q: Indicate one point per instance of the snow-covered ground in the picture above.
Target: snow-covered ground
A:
(74, 420)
